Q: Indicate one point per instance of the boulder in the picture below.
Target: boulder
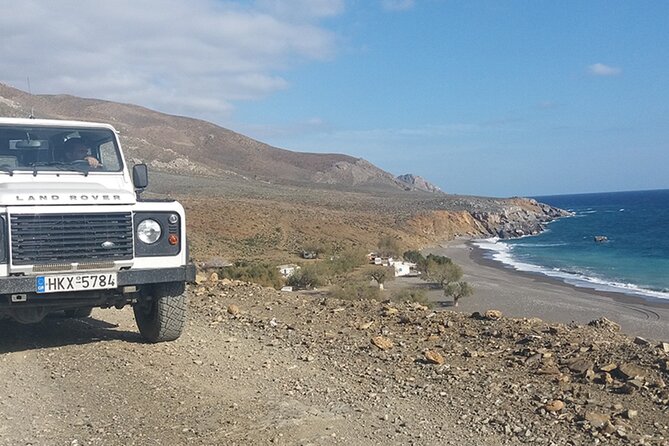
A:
(630, 371)
(493, 315)
(605, 323)
(554, 406)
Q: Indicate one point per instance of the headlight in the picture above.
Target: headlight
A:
(148, 231)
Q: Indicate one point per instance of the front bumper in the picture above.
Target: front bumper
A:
(186, 273)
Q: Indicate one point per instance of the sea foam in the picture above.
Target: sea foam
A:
(502, 252)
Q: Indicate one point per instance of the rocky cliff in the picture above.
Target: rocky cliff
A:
(418, 182)
(522, 217)
(515, 217)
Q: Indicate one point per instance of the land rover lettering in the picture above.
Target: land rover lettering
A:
(38, 198)
(95, 197)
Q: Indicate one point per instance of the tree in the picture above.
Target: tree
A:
(458, 290)
(413, 257)
(381, 274)
(346, 261)
(442, 273)
(447, 275)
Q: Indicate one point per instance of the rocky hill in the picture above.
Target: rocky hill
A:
(418, 182)
(251, 189)
(190, 146)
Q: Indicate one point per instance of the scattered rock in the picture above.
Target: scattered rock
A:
(365, 325)
(549, 370)
(580, 366)
(641, 341)
(515, 376)
(590, 375)
(233, 309)
(630, 371)
(433, 357)
(664, 365)
(630, 413)
(493, 315)
(596, 419)
(605, 324)
(390, 311)
(554, 406)
(382, 343)
(608, 367)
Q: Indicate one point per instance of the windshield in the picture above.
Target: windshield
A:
(37, 148)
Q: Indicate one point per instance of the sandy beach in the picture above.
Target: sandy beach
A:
(519, 294)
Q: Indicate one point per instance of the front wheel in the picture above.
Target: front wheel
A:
(162, 315)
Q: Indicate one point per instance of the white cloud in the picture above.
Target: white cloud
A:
(302, 9)
(599, 69)
(194, 58)
(397, 5)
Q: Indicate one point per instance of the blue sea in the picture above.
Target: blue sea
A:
(634, 260)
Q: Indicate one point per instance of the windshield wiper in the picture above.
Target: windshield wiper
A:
(59, 165)
(7, 169)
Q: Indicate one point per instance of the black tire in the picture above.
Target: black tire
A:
(162, 316)
(79, 313)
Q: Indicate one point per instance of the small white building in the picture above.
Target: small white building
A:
(404, 269)
(288, 270)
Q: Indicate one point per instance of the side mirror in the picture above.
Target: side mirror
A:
(140, 176)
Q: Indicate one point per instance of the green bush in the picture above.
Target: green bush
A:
(412, 295)
(263, 274)
(345, 262)
(307, 277)
(413, 257)
(355, 290)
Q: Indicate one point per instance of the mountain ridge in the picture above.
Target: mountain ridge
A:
(184, 145)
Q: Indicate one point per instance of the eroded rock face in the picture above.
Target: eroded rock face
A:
(418, 182)
(521, 217)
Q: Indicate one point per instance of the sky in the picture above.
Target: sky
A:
(494, 98)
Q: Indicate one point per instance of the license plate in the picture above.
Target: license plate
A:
(75, 282)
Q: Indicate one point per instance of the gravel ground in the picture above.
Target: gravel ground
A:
(256, 366)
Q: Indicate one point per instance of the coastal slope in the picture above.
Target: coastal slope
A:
(256, 366)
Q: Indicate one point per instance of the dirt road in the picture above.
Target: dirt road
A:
(258, 367)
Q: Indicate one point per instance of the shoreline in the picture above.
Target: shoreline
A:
(525, 294)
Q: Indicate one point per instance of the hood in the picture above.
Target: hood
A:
(52, 193)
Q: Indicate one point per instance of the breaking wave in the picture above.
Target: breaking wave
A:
(502, 252)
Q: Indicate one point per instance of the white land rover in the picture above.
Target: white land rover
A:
(75, 234)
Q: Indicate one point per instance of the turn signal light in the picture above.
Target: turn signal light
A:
(173, 239)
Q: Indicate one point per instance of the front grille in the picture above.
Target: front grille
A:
(66, 238)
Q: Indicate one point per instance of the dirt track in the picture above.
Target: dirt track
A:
(299, 370)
